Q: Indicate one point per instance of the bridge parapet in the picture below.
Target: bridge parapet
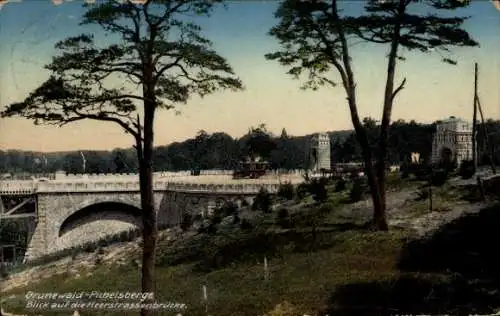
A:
(236, 188)
(159, 174)
(31, 187)
(17, 187)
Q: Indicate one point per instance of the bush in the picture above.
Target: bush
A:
(262, 201)
(282, 213)
(102, 243)
(187, 221)
(302, 190)
(286, 191)
(236, 218)
(197, 218)
(357, 191)
(326, 208)
(202, 229)
(90, 247)
(100, 251)
(228, 209)
(246, 225)
(216, 219)
(467, 169)
(423, 194)
(283, 218)
(318, 189)
(341, 185)
(212, 228)
(439, 177)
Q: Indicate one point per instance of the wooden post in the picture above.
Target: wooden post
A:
(474, 118)
(430, 197)
(205, 298)
(481, 188)
(266, 271)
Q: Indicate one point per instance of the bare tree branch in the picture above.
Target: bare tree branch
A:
(398, 89)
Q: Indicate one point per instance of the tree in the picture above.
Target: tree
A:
(160, 57)
(315, 39)
(258, 142)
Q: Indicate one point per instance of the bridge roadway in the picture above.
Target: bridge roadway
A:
(76, 210)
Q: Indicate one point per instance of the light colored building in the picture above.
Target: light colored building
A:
(453, 137)
(320, 152)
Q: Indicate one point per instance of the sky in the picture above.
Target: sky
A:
(434, 90)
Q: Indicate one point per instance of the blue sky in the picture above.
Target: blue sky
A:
(29, 30)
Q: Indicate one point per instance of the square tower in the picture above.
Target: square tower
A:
(320, 152)
(453, 139)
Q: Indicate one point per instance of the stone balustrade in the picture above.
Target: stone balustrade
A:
(217, 180)
(30, 187)
(160, 174)
(17, 187)
(239, 188)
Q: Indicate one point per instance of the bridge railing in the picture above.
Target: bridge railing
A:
(244, 186)
(159, 174)
(18, 187)
(131, 183)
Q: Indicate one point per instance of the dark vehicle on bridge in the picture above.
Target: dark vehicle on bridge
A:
(250, 169)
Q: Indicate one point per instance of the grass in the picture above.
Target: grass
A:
(235, 279)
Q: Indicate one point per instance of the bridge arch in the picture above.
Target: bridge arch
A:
(87, 213)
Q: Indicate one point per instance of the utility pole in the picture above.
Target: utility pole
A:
(474, 118)
(489, 149)
(477, 105)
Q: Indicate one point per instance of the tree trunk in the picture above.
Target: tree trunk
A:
(149, 216)
(378, 199)
(150, 229)
(378, 204)
(350, 87)
(389, 94)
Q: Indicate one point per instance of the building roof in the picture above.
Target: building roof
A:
(453, 119)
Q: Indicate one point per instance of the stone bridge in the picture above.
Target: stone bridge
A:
(75, 211)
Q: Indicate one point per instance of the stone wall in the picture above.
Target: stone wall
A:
(55, 208)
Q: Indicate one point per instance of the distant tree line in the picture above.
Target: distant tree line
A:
(221, 151)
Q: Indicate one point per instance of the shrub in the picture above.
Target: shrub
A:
(90, 247)
(357, 191)
(236, 218)
(283, 213)
(467, 169)
(318, 189)
(283, 218)
(212, 228)
(123, 235)
(439, 177)
(100, 250)
(423, 194)
(228, 209)
(102, 243)
(302, 190)
(246, 225)
(3, 271)
(262, 201)
(286, 191)
(341, 185)
(202, 229)
(187, 221)
(326, 208)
